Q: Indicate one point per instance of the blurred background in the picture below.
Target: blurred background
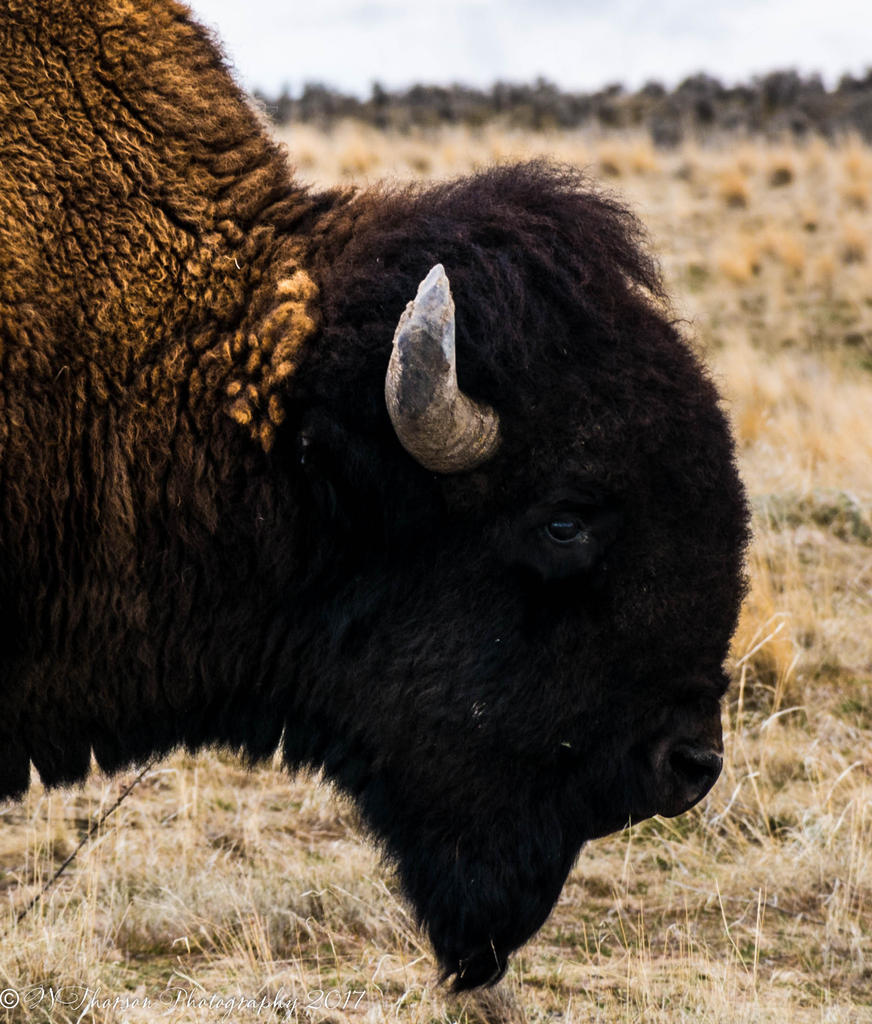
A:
(673, 67)
(576, 44)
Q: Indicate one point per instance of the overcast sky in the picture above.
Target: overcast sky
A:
(581, 44)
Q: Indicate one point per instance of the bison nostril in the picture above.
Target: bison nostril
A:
(682, 772)
(696, 769)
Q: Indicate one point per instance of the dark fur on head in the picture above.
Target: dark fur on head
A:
(210, 534)
(562, 326)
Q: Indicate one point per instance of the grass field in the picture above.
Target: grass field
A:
(214, 894)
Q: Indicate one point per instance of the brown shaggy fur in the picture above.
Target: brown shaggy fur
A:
(151, 284)
(146, 219)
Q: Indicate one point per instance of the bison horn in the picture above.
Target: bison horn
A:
(437, 424)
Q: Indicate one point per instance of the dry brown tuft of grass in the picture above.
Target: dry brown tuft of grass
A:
(217, 894)
(781, 168)
(856, 194)
(734, 188)
(855, 242)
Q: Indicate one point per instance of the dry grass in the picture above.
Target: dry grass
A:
(217, 895)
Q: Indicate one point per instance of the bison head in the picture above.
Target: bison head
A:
(521, 587)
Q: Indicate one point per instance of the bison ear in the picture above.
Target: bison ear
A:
(437, 424)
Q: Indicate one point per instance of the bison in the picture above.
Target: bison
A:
(473, 548)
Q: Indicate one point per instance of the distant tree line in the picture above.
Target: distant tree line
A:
(783, 102)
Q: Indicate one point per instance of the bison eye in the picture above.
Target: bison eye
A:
(566, 535)
(564, 531)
